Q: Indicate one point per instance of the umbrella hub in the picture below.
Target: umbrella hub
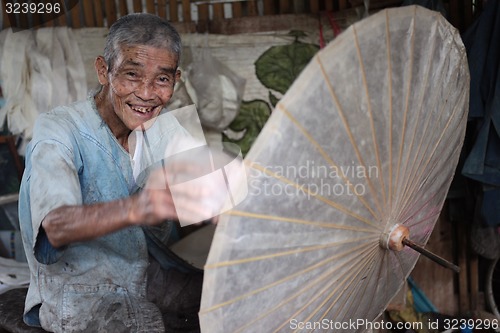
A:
(393, 239)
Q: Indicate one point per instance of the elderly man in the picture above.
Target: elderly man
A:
(82, 216)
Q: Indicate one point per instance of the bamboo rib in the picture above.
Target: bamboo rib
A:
(370, 113)
(389, 66)
(306, 288)
(285, 253)
(346, 127)
(316, 196)
(327, 225)
(289, 277)
(405, 117)
(322, 152)
(350, 279)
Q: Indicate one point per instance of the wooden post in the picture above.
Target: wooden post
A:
(269, 7)
(285, 7)
(174, 16)
(186, 10)
(314, 6)
(122, 7)
(252, 8)
(75, 17)
(237, 9)
(99, 18)
(137, 5)
(150, 6)
(162, 8)
(203, 18)
(218, 11)
(88, 12)
(110, 12)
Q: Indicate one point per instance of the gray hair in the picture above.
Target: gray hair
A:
(141, 29)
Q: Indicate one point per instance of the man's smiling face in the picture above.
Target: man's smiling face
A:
(138, 86)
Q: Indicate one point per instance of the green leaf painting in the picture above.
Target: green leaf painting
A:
(248, 124)
(279, 66)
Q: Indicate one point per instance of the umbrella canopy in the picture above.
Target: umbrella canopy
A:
(358, 155)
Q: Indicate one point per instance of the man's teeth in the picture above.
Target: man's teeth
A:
(141, 109)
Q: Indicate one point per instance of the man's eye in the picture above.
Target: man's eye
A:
(164, 79)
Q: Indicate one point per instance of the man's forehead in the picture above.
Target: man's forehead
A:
(141, 56)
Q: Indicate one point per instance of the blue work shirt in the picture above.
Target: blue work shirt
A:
(74, 159)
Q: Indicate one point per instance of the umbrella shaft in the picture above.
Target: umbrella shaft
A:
(430, 255)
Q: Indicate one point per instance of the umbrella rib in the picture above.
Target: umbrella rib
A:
(303, 290)
(339, 285)
(326, 225)
(407, 99)
(372, 271)
(322, 152)
(289, 277)
(315, 195)
(284, 253)
(406, 206)
(370, 113)
(417, 121)
(348, 278)
(431, 155)
(389, 66)
(347, 129)
(352, 289)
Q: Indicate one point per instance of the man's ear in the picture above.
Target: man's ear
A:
(101, 69)
(177, 75)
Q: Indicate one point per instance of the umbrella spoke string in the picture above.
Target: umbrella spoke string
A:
(313, 283)
(347, 281)
(285, 253)
(420, 113)
(347, 128)
(407, 99)
(415, 209)
(342, 278)
(315, 195)
(370, 113)
(389, 68)
(363, 291)
(352, 289)
(406, 205)
(285, 279)
(409, 188)
(327, 225)
(322, 152)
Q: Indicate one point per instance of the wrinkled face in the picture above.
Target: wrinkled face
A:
(139, 85)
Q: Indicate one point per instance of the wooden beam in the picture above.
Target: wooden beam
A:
(203, 18)
(314, 6)
(285, 7)
(329, 5)
(62, 20)
(75, 16)
(122, 7)
(237, 9)
(99, 18)
(110, 8)
(162, 8)
(218, 13)
(137, 6)
(173, 7)
(150, 6)
(269, 7)
(186, 10)
(342, 4)
(252, 9)
(88, 13)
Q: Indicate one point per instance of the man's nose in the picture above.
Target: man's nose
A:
(145, 90)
